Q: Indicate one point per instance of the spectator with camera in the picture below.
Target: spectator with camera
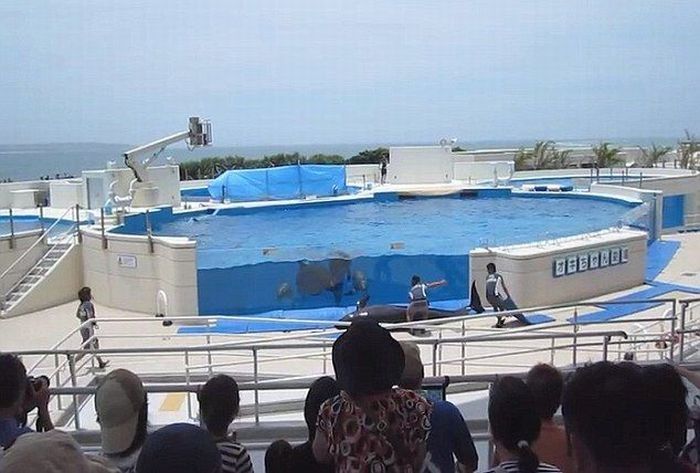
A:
(20, 395)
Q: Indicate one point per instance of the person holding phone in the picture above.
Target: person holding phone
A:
(449, 438)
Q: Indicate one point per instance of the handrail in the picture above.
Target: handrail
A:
(272, 385)
(41, 238)
(233, 346)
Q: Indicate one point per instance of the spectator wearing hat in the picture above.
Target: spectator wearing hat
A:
(50, 452)
(303, 460)
(179, 448)
(122, 413)
(17, 396)
(370, 425)
(449, 436)
(219, 402)
(547, 384)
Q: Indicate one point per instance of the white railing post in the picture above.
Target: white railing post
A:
(74, 383)
(672, 344)
(209, 357)
(256, 393)
(681, 341)
(464, 349)
(575, 338)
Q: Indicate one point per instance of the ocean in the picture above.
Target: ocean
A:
(32, 161)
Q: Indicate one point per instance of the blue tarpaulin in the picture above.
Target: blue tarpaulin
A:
(285, 182)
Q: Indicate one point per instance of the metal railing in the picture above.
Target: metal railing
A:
(43, 238)
(457, 346)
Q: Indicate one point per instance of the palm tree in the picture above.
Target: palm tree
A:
(605, 156)
(652, 156)
(542, 155)
(687, 150)
(561, 158)
(521, 159)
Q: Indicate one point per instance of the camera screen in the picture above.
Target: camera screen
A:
(435, 392)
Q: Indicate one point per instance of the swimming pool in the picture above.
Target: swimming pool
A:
(24, 223)
(322, 255)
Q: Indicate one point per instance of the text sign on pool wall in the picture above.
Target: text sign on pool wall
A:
(126, 261)
(589, 261)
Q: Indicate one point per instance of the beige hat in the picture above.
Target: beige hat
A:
(413, 366)
(50, 452)
(118, 401)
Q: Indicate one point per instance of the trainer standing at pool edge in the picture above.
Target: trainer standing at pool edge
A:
(418, 299)
(498, 296)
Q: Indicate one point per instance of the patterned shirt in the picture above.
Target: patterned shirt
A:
(358, 444)
(234, 457)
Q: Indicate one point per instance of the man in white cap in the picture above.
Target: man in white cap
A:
(50, 452)
(122, 412)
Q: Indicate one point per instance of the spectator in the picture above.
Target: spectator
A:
(85, 312)
(371, 426)
(449, 437)
(121, 405)
(179, 448)
(606, 414)
(546, 384)
(219, 402)
(50, 452)
(278, 457)
(16, 394)
(515, 426)
(302, 455)
(668, 416)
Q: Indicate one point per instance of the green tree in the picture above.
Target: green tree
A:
(542, 156)
(687, 149)
(606, 156)
(521, 159)
(326, 159)
(561, 158)
(652, 155)
(370, 156)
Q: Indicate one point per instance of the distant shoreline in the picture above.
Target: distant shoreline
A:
(31, 161)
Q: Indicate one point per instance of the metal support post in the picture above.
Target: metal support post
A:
(209, 357)
(551, 352)
(41, 218)
(256, 393)
(325, 359)
(187, 383)
(77, 223)
(575, 339)
(435, 349)
(149, 232)
(672, 345)
(74, 383)
(681, 356)
(102, 228)
(12, 230)
(606, 340)
(464, 349)
(57, 381)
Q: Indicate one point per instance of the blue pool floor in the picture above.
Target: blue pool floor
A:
(659, 255)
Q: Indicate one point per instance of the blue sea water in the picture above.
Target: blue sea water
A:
(331, 255)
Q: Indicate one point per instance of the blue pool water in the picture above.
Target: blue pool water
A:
(331, 255)
(26, 223)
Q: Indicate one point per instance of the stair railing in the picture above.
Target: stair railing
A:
(43, 237)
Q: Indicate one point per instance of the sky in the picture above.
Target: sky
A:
(326, 71)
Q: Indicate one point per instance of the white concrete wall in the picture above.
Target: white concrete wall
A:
(687, 185)
(7, 188)
(359, 174)
(58, 286)
(66, 193)
(22, 242)
(420, 165)
(166, 179)
(484, 155)
(528, 269)
(172, 268)
(483, 171)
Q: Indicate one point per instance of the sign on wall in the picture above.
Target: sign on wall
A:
(589, 261)
(126, 261)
